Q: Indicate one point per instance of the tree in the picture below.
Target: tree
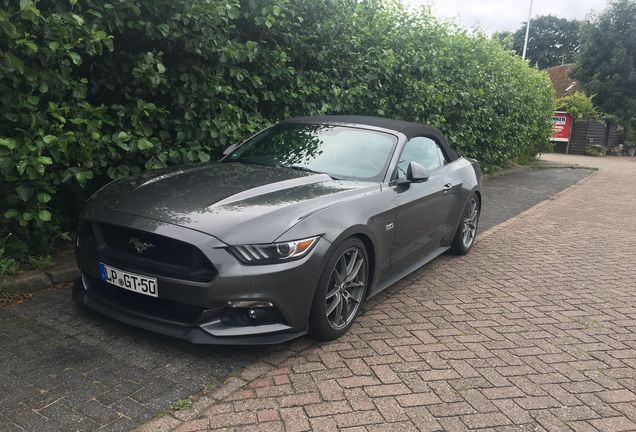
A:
(606, 63)
(552, 41)
(505, 38)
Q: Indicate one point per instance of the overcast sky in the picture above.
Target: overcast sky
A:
(496, 15)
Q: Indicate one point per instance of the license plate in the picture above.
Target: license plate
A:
(129, 281)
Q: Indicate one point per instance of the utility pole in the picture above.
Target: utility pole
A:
(525, 43)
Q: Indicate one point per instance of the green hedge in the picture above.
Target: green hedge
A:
(92, 90)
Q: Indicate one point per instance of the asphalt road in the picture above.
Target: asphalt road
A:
(65, 368)
(506, 196)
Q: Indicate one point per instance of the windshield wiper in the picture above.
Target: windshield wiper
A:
(294, 167)
(305, 169)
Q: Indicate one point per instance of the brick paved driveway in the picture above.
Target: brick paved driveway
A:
(534, 330)
(64, 368)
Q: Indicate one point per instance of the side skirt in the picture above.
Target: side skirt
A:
(410, 269)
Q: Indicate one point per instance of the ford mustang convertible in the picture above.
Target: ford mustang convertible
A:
(286, 235)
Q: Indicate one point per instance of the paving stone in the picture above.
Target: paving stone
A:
(294, 420)
(358, 418)
(418, 399)
(613, 424)
(485, 420)
(390, 409)
(387, 390)
(96, 411)
(63, 415)
(615, 396)
(327, 408)
(26, 418)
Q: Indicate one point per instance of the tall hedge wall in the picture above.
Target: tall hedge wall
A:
(92, 90)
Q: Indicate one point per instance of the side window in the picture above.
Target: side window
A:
(423, 150)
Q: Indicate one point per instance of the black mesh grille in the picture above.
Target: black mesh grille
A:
(159, 255)
(161, 249)
(156, 307)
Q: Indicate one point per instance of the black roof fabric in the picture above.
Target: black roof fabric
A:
(409, 129)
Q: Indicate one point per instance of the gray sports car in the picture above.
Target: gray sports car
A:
(286, 235)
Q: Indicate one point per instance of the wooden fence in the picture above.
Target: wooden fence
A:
(586, 133)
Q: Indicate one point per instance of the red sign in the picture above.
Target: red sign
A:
(561, 126)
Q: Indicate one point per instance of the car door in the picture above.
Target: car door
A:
(422, 209)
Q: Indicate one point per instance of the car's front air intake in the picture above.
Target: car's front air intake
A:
(135, 250)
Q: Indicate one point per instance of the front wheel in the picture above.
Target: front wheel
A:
(467, 229)
(340, 291)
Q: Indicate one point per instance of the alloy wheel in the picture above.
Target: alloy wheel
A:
(346, 288)
(469, 224)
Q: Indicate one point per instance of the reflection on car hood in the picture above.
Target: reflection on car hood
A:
(234, 202)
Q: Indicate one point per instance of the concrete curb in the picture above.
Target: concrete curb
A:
(486, 177)
(32, 281)
(539, 165)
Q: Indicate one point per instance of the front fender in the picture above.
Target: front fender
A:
(468, 173)
(368, 217)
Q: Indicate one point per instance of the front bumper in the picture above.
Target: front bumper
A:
(198, 311)
(191, 333)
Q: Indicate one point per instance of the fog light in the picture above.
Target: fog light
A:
(250, 313)
(249, 304)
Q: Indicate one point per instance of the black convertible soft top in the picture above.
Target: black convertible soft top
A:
(409, 129)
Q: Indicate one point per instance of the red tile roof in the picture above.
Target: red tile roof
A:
(561, 81)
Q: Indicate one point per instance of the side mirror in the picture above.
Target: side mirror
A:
(230, 149)
(416, 173)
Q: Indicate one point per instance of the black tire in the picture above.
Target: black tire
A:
(460, 246)
(321, 326)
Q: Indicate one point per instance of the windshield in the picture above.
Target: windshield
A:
(339, 151)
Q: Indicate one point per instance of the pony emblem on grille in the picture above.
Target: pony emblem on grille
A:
(140, 246)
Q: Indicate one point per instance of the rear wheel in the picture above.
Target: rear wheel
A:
(467, 229)
(340, 292)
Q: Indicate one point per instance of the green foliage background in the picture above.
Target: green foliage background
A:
(93, 90)
(606, 63)
(552, 40)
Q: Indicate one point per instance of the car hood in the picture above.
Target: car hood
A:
(236, 203)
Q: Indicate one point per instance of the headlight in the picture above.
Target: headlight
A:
(274, 252)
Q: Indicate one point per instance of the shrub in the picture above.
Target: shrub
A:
(579, 105)
(8, 265)
(93, 90)
(596, 150)
(630, 136)
(41, 262)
